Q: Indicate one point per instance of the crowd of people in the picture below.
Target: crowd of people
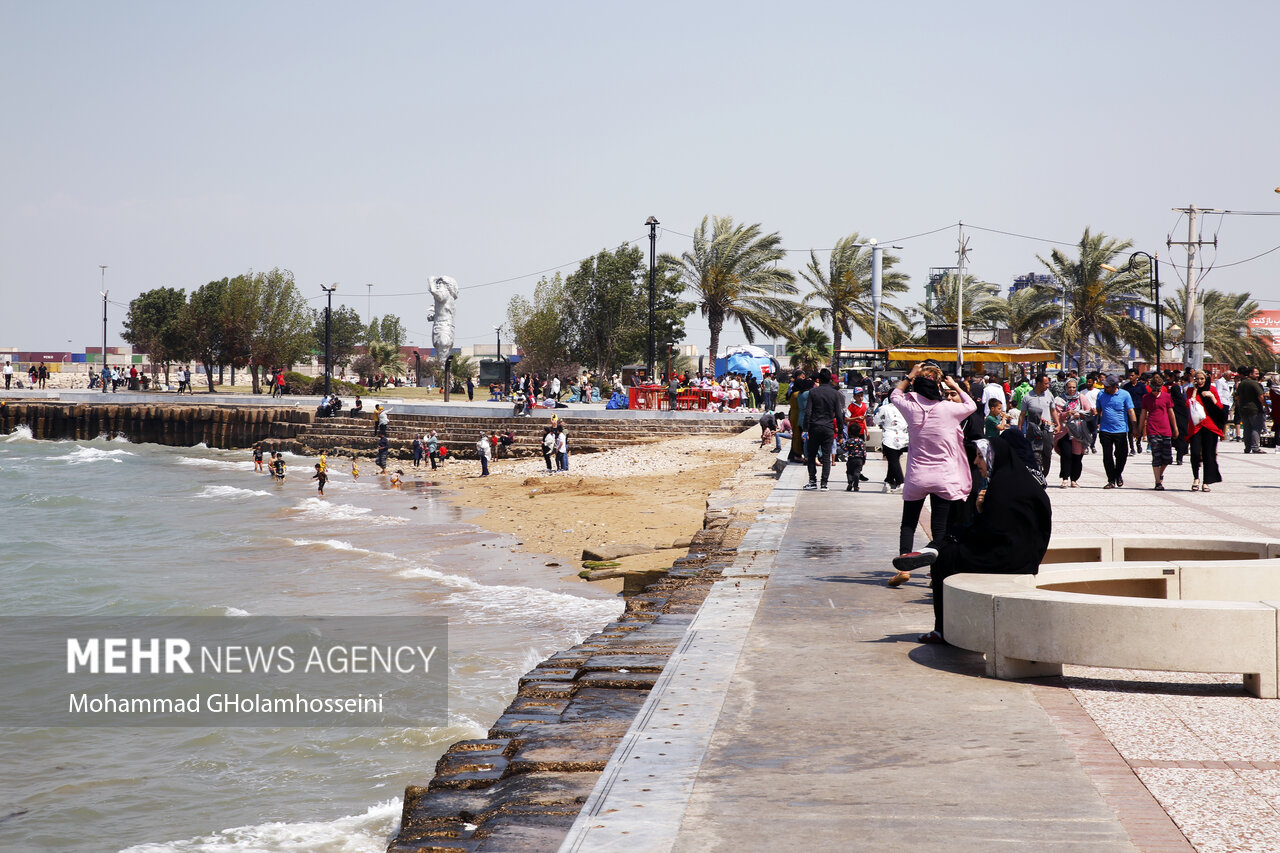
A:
(981, 449)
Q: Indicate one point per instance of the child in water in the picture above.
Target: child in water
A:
(321, 476)
(278, 465)
(324, 464)
(395, 479)
(355, 469)
(257, 457)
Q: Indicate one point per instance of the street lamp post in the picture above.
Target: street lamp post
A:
(653, 223)
(502, 375)
(102, 371)
(328, 324)
(1153, 275)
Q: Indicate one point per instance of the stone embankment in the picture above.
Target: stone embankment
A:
(173, 424)
(349, 435)
(520, 788)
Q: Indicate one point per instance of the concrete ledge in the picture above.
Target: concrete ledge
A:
(1215, 614)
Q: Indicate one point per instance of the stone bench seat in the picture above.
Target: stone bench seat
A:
(1145, 603)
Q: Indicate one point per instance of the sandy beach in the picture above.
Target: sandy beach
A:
(651, 494)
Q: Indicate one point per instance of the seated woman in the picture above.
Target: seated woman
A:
(1009, 535)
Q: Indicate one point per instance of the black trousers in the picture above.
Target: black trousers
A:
(1115, 451)
(949, 563)
(820, 442)
(1204, 448)
(1071, 464)
(893, 460)
(940, 518)
(853, 468)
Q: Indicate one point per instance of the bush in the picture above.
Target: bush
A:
(296, 383)
(337, 386)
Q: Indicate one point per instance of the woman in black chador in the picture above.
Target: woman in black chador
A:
(1010, 533)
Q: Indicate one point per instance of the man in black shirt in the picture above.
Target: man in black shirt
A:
(1251, 403)
(823, 416)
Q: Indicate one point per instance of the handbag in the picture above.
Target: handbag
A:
(1197, 410)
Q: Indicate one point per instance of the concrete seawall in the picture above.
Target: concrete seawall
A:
(171, 424)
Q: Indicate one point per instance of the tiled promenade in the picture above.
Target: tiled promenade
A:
(801, 714)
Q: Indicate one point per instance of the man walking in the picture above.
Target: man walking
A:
(1040, 421)
(1250, 402)
(1159, 426)
(8, 374)
(1137, 391)
(823, 415)
(1115, 420)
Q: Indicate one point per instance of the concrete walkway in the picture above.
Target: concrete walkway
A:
(801, 713)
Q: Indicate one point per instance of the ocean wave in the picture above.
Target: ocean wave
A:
(500, 603)
(335, 544)
(82, 455)
(21, 432)
(320, 510)
(230, 492)
(366, 833)
(236, 612)
(200, 462)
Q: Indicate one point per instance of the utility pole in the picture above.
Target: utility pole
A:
(962, 250)
(1193, 331)
(102, 371)
(328, 351)
(653, 223)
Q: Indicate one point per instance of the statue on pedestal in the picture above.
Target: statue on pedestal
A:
(445, 292)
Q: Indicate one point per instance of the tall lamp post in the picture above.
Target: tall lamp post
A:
(653, 224)
(328, 323)
(1153, 277)
(503, 377)
(103, 370)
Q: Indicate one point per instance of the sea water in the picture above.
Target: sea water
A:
(138, 533)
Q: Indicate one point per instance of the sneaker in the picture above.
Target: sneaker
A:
(823, 488)
(915, 560)
(810, 487)
(887, 489)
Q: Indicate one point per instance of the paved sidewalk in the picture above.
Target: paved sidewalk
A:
(800, 712)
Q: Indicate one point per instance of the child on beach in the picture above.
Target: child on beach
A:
(855, 449)
(355, 469)
(321, 476)
(395, 479)
(257, 457)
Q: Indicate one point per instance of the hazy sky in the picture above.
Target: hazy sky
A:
(383, 142)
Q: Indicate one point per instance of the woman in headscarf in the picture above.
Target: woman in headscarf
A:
(1072, 437)
(937, 466)
(1205, 434)
(1009, 535)
(799, 384)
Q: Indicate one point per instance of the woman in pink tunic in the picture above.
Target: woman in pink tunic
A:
(936, 463)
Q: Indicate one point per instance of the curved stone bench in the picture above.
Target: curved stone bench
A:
(1147, 603)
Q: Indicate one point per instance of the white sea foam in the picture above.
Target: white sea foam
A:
(500, 603)
(222, 464)
(335, 544)
(321, 510)
(21, 432)
(230, 492)
(366, 833)
(236, 612)
(82, 455)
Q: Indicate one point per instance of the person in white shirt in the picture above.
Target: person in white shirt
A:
(1226, 388)
(482, 450)
(8, 374)
(893, 443)
(992, 390)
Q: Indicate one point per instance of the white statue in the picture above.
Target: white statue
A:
(445, 292)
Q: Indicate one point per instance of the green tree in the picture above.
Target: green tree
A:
(1096, 321)
(387, 329)
(540, 326)
(282, 335)
(982, 304)
(1228, 337)
(346, 332)
(603, 306)
(735, 277)
(1031, 317)
(809, 347)
(153, 325)
(842, 288)
(201, 324)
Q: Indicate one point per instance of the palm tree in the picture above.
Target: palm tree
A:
(385, 358)
(982, 303)
(842, 291)
(735, 276)
(1227, 333)
(1031, 317)
(808, 347)
(1096, 320)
